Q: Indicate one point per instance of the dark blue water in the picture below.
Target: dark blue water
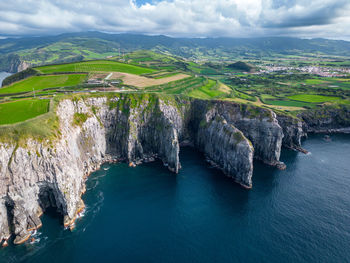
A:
(146, 214)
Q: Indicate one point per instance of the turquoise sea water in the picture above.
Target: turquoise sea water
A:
(146, 214)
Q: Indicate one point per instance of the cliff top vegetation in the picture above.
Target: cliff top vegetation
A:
(284, 90)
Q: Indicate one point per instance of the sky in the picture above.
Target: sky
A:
(179, 18)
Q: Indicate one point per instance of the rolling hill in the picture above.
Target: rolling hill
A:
(73, 47)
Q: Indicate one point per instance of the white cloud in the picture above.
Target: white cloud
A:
(200, 18)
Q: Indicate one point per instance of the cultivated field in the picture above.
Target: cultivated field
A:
(158, 73)
(21, 110)
(142, 82)
(260, 104)
(210, 90)
(43, 82)
(95, 66)
(313, 98)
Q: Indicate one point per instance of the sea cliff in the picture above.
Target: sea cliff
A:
(50, 172)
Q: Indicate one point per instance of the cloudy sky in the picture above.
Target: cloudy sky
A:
(185, 18)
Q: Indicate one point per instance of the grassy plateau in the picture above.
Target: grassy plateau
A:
(21, 110)
(43, 82)
(95, 66)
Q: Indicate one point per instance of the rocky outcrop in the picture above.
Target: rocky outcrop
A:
(37, 174)
(23, 65)
(226, 148)
(293, 132)
(12, 63)
(259, 125)
(143, 131)
(326, 119)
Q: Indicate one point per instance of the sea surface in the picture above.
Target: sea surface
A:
(147, 214)
(3, 75)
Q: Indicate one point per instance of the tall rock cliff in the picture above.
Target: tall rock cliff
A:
(329, 118)
(37, 174)
(12, 63)
(259, 125)
(227, 148)
(293, 132)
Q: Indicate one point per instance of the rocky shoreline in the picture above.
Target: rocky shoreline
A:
(135, 129)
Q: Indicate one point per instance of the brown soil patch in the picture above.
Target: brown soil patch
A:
(98, 75)
(224, 88)
(142, 82)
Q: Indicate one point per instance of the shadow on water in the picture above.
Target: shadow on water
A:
(52, 214)
(148, 214)
(226, 192)
(267, 178)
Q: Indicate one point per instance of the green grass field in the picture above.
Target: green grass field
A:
(313, 98)
(43, 82)
(95, 66)
(314, 81)
(289, 103)
(18, 111)
(267, 97)
(207, 91)
(182, 86)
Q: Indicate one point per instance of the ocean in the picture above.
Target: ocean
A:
(147, 214)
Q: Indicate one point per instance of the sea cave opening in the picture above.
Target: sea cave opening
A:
(49, 203)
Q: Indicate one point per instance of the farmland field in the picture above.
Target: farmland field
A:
(18, 111)
(313, 98)
(207, 91)
(314, 81)
(141, 82)
(95, 66)
(43, 82)
(182, 86)
(289, 103)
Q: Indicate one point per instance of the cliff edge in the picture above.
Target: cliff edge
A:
(37, 173)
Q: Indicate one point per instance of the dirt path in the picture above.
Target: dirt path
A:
(142, 82)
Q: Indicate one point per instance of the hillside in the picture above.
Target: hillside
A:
(95, 45)
(242, 66)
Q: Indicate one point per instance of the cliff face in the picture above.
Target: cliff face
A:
(293, 132)
(327, 119)
(39, 175)
(134, 128)
(227, 148)
(12, 63)
(143, 131)
(43, 174)
(259, 125)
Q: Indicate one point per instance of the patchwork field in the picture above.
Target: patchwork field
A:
(142, 82)
(18, 111)
(43, 82)
(95, 66)
(150, 72)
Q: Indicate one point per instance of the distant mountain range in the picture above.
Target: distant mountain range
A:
(90, 45)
